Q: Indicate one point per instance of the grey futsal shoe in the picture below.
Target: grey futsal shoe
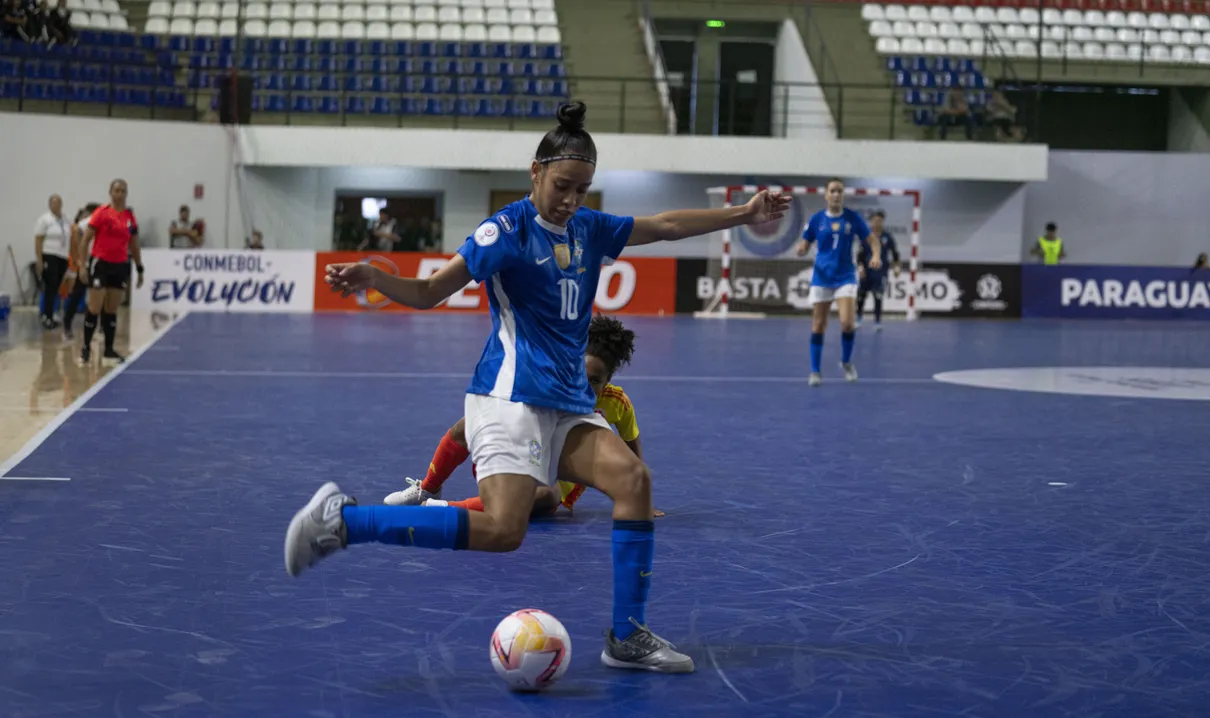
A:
(413, 495)
(644, 651)
(850, 371)
(318, 530)
(815, 379)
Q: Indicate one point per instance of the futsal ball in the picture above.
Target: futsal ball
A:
(530, 649)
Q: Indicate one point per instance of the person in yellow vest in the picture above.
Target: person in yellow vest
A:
(1050, 246)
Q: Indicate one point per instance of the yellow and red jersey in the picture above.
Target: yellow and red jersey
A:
(615, 406)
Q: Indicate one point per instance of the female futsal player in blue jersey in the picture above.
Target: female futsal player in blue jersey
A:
(836, 230)
(529, 408)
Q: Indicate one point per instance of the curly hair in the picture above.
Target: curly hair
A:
(610, 342)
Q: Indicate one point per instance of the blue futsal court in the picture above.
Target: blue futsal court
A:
(901, 547)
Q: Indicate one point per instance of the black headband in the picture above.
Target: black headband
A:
(556, 158)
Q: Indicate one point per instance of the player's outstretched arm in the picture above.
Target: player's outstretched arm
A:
(766, 206)
(352, 277)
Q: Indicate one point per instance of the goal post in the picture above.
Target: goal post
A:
(753, 271)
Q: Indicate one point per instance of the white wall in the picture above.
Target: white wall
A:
(962, 221)
(1133, 208)
(78, 157)
(799, 112)
(1186, 133)
(468, 149)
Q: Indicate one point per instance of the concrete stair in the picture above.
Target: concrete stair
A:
(603, 40)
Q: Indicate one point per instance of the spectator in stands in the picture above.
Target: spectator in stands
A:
(15, 21)
(426, 231)
(52, 247)
(382, 236)
(38, 15)
(58, 25)
(1002, 115)
(256, 241)
(956, 113)
(1202, 262)
(186, 234)
(1050, 246)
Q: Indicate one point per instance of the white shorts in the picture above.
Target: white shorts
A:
(506, 437)
(827, 294)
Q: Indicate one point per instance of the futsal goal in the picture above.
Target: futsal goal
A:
(752, 272)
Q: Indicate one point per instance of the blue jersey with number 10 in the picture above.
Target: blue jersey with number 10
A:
(836, 236)
(541, 280)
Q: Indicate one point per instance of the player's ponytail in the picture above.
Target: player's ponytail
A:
(568, 141)
(611, 342)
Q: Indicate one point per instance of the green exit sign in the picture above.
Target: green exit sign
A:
(715, 23)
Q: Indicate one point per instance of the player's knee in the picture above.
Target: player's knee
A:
(458, 432)
(635, 480)
(507, 536)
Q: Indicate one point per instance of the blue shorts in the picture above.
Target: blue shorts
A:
(873, 283)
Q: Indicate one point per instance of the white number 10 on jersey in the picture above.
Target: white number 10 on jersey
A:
(569, 293)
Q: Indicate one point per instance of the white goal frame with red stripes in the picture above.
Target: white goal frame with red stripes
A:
(729, 193)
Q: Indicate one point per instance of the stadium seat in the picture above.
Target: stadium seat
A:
(872, 13)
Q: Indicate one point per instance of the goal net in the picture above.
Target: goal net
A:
(752, 272)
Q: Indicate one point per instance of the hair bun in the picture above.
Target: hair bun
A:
(571, 116)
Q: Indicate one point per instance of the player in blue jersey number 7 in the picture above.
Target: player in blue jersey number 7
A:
(529, 408)
(837, 231)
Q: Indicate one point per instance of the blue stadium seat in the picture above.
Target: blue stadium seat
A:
(499, 50)
(79, 92)
(203, 44)
(275, 81)
(382, 106)
(425, 48)
(278, 45)
(300, 82)
(437, 106)
(165, 97)
(350, 47)
(525, 50)
(226, 45)
(942, 79)
(551, 52)
(325, 47)
(474, 49)
(356, 105)
(178, 43)
(253, 45)
(300, 63)
(8, 68)
(940, 64)
(303, 46)
(380, 83)
(922, 118)
(558, 88)
(401, 48)
(303, 103)
(10, 89)
(895, 64)
(147, 42)
(275, 103)
(450, 49)
(328, 83)
(503, 69)
(556, 70)
(329, 104)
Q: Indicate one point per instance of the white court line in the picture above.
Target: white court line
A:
(37, 440)
(267, 373)
(48, 410)
(32, 478)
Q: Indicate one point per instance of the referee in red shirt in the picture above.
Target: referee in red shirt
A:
(113, 232)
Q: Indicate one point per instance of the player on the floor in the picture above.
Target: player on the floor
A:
(834, 231)
(113, 233)
(610, 347)
(873, 281)
(529, 409)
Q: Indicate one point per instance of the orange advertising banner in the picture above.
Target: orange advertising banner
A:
(640, 285)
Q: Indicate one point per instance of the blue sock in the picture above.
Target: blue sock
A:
(846, 346)
(633, 546)
(424, 526)
(816, 351)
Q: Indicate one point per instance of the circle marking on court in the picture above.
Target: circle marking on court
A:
(1135, 382)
